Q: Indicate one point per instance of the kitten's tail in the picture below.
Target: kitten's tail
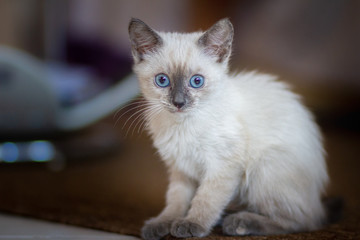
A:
(334, 207)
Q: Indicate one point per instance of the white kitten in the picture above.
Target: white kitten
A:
(242, 140)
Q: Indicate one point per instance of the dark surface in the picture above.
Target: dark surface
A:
(117, 192)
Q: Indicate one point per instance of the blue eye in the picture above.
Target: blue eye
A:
(196, 81)
(162, 80)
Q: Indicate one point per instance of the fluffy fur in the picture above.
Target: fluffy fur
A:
(242, 150)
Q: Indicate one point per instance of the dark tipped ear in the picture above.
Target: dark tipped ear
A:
(144, 40)
(217, 40)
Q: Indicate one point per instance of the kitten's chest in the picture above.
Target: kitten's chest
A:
(192, 148)
(180, 144)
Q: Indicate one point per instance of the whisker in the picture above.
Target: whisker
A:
(149, 118)
(140, 115)
(129, 110)
(135, 101)
(142, 118)
(143, 123)
(132, 115)
(139, 111)
(144, 111)
(124, 107)
(146, 114)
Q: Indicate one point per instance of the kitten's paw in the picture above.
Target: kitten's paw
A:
(247, 223)
(184, 228)
(155, 230)
(234, 225)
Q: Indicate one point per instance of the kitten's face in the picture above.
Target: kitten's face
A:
(178, 75)
(180, 71)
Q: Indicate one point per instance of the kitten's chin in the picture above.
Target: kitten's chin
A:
(178, 111)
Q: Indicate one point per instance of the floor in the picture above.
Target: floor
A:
(120, 187)
(21, 228)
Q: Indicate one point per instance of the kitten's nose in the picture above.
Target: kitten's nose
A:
(178, 104)
(178, 98)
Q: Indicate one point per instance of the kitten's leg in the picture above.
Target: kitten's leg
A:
(281, 199)
(179, 194)
(214, 193)
(248, 223)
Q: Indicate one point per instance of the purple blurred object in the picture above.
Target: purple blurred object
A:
(106, 61)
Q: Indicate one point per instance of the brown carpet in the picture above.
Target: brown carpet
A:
(118, 191)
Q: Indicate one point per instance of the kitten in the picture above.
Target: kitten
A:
(228, 140)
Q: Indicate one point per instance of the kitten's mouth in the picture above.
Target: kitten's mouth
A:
(179, 110)
(176, 110)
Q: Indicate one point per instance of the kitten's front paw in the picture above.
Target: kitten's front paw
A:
(234, 225)
(184, 228)
(155, 230)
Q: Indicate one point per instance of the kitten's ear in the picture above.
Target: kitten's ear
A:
(143, 39)
(217, 40)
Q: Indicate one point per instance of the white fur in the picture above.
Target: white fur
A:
(247, 139)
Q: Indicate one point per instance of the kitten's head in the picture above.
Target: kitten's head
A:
(180, 71)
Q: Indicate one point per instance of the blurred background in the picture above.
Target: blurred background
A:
(84, 48)
(65, 70)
